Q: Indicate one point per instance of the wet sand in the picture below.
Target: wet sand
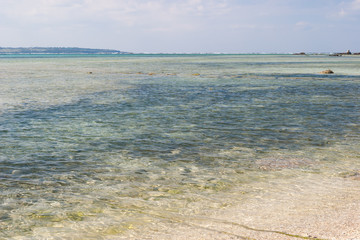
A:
(312, 208)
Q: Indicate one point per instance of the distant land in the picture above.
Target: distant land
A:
(331, 54)
(77, 50)
(57, 50)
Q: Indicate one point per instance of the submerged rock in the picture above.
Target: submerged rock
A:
(351, 175)
(327, 72)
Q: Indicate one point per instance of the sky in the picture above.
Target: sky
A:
(183, 26)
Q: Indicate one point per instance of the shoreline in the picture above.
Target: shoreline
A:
(328, 210)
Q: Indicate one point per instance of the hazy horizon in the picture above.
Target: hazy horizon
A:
(125, 52)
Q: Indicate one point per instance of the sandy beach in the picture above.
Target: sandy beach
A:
(327, 210)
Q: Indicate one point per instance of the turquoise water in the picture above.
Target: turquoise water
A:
(103, 147)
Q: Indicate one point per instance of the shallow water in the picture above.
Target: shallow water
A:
(103, 147)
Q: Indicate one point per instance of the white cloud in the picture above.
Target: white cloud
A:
(118, 22)
(342, 13)
(127, 13)
(349, 8)
(303, 25)
(356, 4)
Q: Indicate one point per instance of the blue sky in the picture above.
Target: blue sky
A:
(230, 26)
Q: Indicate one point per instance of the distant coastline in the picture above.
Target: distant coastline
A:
(331, 54)
(89, 51)
(57, 50)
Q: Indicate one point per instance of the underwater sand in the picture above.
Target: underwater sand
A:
(179, 147)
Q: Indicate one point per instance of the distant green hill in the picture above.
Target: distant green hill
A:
(58, 50)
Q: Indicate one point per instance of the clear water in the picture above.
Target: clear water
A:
(104, 147)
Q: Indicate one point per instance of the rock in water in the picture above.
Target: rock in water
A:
(327, 72)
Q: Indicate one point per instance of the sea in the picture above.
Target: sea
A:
(129, 146)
